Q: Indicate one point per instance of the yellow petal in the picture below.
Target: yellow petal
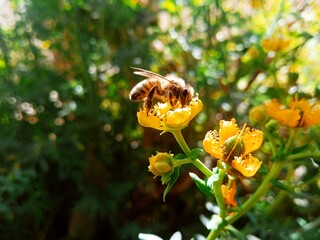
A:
(252, 140)
(228, 129)
(212, 144)
(282, 44)
(179, 118)
(276, 44)
(161, 108)
(148, 120)
(247, 166)
(196, 106)
(302, 105)
(312, 118)
(289, 117)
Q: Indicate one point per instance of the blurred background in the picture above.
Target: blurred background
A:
(73, 159)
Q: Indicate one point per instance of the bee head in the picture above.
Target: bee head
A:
(186, 95)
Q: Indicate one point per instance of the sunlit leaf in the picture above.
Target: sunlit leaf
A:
(147, 236)
(195, 153)
(202, 185)
(176, 236)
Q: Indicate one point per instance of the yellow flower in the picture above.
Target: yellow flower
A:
(163, 117)
(256, 4)
(161, 163)
(276, 44)
(233, 145)
(300, 113)
(229, 194)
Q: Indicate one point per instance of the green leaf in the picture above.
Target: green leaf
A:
(263, 169)
(166, 177)
(195, 153)
(179, 156)
(236, 233)
(300, 149)
(201, 184)
(171, 182)
(280, 185)
(281, 154)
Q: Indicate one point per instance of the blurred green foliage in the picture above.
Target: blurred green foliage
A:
(73, 161)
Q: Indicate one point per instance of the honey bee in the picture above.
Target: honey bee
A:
(161, 88)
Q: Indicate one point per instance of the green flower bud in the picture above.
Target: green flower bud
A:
(259, 115)
(161, 163)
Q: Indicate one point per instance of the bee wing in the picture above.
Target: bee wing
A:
(149, 74)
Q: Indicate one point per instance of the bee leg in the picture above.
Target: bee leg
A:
(148, 99)
(173, 100)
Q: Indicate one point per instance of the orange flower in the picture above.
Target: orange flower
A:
(300, 113)
(231, 143)
(229, 194)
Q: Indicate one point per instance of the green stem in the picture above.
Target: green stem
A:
(185, 148)
(203, 168)
(304, 155)
(309, 226)
(180, 139)
(271, 140)
(218, 194)
(181, 162)
(313, 179)
(282, 193)
(263, 188)
(293, 132)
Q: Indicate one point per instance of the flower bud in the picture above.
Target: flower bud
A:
(161, 163)
(258, 115)
(233, 146)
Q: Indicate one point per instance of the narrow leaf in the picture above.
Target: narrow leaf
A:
(201, 184)
(280, 185)
(166, 177)
(171, 182)
(179, 156)
(212, 179)
(195, 153)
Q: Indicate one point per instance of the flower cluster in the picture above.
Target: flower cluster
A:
(234, 146)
